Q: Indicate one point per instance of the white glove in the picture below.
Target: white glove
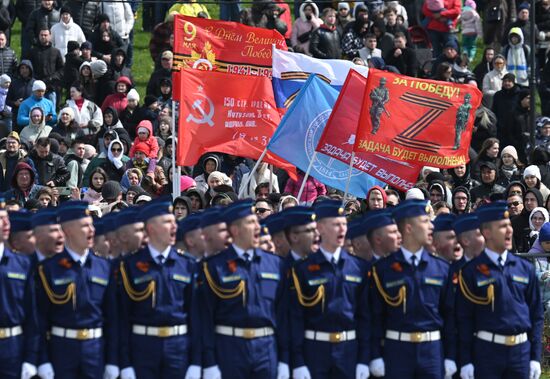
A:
(534, 370)
(377, 367)
(111, 372)
(450, 367)
(283, 372)
(193, 372)
(467, 371)
(128, 373)
(212, 372)
(362, 371)
(301, 372)
(28, 370)
(45, 371)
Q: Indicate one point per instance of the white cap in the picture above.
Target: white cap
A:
(38, 85)
(133, 95)
(532, 171)
(415, 193)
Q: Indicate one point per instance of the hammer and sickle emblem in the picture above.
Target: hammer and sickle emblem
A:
(205, 118)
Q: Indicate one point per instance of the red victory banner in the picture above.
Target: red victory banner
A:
(224, 46)
(226, 113)
(339, 137)
(426, 122)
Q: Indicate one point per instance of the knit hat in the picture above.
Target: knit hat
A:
(470, 3)
(4, 78)
(102, 17)
(133, 95)
(99, 67)
(532, 171)
(522, 6)
(67, 110)
(186, 182)
(143, 147)
(72, 45)
(343, 6)
(167, 54)
(149, 99)
(65, 9)
(86, 45)
(511, 150)
(414, 193)
(110, 190)
(38, 85)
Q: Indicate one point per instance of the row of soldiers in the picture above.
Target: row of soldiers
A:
(222, 307)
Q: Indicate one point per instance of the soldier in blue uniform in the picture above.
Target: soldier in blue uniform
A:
(266, 243)
(157, 304)
(21, 239)
(276, 225)
(18, 342)
(244, 305)
(110, 229)
(382, 232)
(214, 230)
(130, 230)
(408, 299)
(445, 243)
(77, 305)
(329, 311)
(189, 239)
(466, 229)
(357, 236)
(301, 233)
(499, 307)
(49, 238)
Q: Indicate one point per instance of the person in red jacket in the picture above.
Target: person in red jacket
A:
(118, 99)
(439, 23)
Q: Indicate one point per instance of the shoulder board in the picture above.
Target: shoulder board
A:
(439, 258)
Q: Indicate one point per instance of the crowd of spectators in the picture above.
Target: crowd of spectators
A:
(73, 124)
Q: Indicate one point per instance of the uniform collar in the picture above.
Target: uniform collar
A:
(375, 257)
(329, 256)
(240, 252)
(155, 253)
(295, 257)
(80, 259)
(493, 256)
(40, 256)
(407, 254)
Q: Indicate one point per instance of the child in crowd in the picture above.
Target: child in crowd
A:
(471, 28)
(5, 110)
(146, 138)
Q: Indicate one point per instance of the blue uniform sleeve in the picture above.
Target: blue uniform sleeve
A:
(124, 324)
(111, 320)
(30, 327)
(364, 320)
(378, 307)
(282, 322)
(296, 321)
(192, 304)
(206, 311)
(536, 314)
(43, 306)
(450, 335)
(465, 310)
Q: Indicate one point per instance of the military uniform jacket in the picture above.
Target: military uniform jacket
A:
(78, 297)
(17, 301)
(515, 308)
(168, 297)
(244, 295)
(343, 305)
(413, 299)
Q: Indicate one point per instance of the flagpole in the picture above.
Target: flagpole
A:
(270, 178)
(176, 188)
(349, 177)
(249, 178)
(313, 157)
